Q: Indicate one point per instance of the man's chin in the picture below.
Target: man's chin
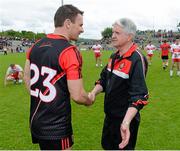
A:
(74, 39)
(113, 44)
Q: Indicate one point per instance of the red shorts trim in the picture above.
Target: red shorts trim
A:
(97, 54)
(176, 60)
(60, 144)
(150, 55)
(14, 76)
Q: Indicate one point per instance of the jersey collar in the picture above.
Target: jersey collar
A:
(54, 36)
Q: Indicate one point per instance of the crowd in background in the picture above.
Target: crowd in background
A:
(14, 44)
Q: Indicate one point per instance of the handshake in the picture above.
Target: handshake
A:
(91, 99)
(92, 95)
(85, 98)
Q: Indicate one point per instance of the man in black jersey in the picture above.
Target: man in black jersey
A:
(123, 81)
(53, 75)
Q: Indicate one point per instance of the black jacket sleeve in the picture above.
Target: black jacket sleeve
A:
(103, 78)
(137, 85)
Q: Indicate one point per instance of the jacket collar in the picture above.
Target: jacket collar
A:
(130, 51)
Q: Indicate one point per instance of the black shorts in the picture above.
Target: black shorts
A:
(60, 144)
(111, 133)
(164, 57)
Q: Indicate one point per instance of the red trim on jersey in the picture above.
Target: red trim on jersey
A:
(51, 36)
(53, 81)
(79, 58)
(54, 36)
(28, 53)
(35, 111)
(30, 49)
(56, 78)
(140, 102)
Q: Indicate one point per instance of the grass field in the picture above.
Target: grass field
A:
(160, 122)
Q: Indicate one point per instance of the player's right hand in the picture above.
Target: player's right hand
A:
(90, 99)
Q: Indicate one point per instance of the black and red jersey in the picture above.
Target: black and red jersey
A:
(165, 49)
(123, 81)
(53, 61)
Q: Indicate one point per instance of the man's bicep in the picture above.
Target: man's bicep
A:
(27, 66)
(27, 74)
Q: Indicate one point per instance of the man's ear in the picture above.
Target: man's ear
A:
(67, 23)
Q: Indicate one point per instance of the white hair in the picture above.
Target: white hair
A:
(128, 25)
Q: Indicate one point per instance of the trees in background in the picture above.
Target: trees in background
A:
(107, 33)
(22, 34)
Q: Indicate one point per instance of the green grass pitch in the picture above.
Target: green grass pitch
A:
(160, 122)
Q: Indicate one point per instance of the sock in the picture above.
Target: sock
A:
(171, 73)
(20, 81)
(178, 73)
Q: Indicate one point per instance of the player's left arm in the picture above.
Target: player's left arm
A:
(27, 74)
(124, 129)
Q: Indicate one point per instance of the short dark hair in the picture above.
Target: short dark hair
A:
(66, 12)
(12, 65)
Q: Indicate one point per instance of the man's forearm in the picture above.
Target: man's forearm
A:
(130, 114)
(27, 84)
(97, 89)
(78, 94)
(84, 98)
